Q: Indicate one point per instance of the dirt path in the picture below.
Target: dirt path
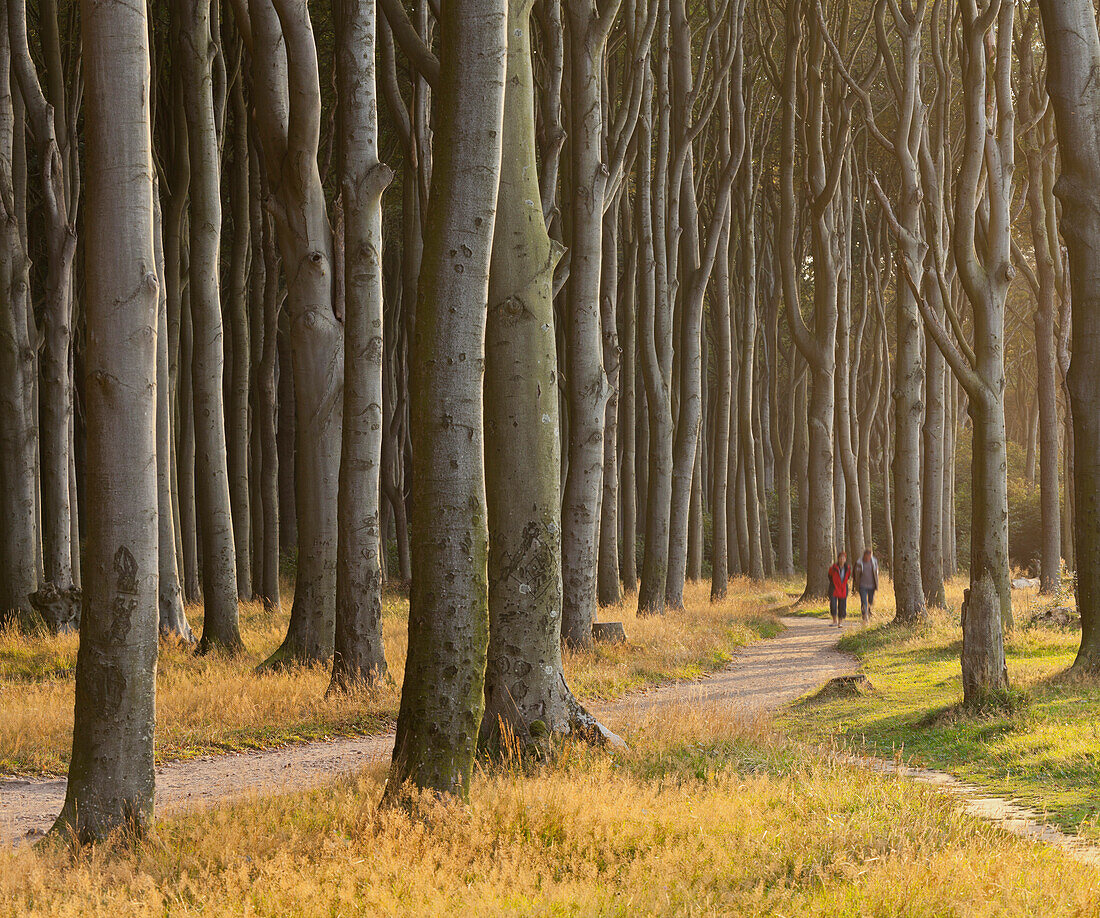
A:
(761, 679)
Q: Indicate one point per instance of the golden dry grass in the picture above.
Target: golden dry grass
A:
(214, 703)
(705, 817)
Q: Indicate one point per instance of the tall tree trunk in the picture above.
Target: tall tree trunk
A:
(608, 590)
(526, 695)
(442, 699)
(18, 493)
(628, 411)
(723, 357)
(111, 776)
(220, 627)
(171, 615)
(236, 309)
(291, 139)
(1073, 49)
(359, 654)
(586, 384)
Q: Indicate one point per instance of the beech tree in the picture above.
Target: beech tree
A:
(110, 782)
(1073, 55)
(442, 698)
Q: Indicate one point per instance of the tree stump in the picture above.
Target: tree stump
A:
(608, 633)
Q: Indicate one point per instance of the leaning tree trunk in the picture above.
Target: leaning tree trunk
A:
(220, 624)
(111, 775)
(359, 655)
(1073, 49)
(442, 698)
(526, 696)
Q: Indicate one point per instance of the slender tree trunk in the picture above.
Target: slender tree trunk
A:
(239, 377)
(608, 589)
(220, 628)
(586, 384)
(291, 139)
(172, 617)
(724, 372)
(359, 654)
(628, 422)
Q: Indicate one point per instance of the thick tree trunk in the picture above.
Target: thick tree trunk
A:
(359, 654)
(111, 776)
(1073, 48)
(442, 699)
(526, 696)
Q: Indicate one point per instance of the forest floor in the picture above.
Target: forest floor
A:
(716, 809)
(762, 678)
(1041, 747)
(213, 704)
(710, 812)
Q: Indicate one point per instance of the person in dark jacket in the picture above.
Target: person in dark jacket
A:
(865, 578)
(839, 576)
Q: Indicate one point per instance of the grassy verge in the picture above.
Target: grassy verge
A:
(1044, 750)
(703, 817)
(216, 704)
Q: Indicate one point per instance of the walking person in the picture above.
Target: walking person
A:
(839, 576)
(866, 581)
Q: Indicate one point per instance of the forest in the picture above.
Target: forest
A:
(452, 376)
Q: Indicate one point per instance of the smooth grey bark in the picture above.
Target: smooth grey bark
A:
(1073, 57)
(221, 628)
(723, 367)
(608, 588)
(110, 780)
(655, 336)
(266, 419)
(628, 408)
(442, 699)
(48, 121)
(18, 438)
(586, 384)
(818, 347)
(172, 618)
(985, 273)
(526, 696)
(1043, 218)
(192, 585)
(287, 97)
(239, 357)
(359, 656)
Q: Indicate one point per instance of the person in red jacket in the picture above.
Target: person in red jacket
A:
(839, 575)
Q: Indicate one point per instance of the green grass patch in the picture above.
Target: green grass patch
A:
(1041, 746)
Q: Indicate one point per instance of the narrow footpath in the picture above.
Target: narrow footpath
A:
(761, 678)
